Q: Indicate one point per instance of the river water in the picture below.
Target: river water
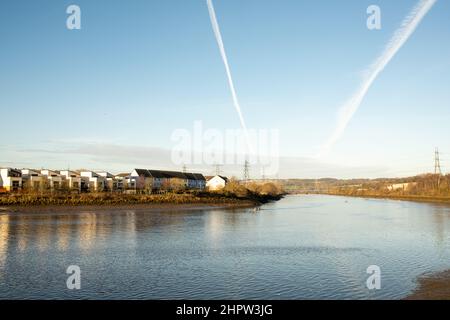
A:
(302, 247)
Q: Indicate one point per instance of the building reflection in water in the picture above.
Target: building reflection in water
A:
(4, 238)
(86, 230)
(215, 227)
(63, 234)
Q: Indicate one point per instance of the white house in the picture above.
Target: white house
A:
(71, 179)
(124, 181)
(94, 181)
(54, 179)
(111, 181)
(216, 182)
(10, 179)
(32, 179)
(142, 179)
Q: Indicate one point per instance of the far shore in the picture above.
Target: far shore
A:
(432, 287)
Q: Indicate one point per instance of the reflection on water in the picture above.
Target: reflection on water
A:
(4, 233)
(299, 247)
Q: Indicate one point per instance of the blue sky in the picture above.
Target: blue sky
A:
(137, 70)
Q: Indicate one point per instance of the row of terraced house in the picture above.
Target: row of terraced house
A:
(139, 180)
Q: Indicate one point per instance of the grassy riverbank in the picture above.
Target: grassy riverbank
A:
(232, 195)
(432, 287)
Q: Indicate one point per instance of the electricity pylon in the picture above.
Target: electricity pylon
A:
(246, 170)
(437, 163)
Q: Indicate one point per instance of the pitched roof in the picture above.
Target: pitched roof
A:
(69, 172)
(199, 176)
(13, 172)
(106, 174)
(210, 177)
(165, 174)
(190, 176)
(122, 174)
(158, 174)
(143, 172)
(93, 174)
(174, 174)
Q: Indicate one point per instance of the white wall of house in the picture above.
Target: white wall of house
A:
(112, 183)
(141, 182)
(32, 179)
(121, 182)
(95, 181)
(129, 183)
(8, 181)
(71, 179)
(216, 183)
(54, 179)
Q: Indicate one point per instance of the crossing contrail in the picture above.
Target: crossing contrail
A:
(237, 106)
(399, 38)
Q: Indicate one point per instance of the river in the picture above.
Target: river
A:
(301, 247)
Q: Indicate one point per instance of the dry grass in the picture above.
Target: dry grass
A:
(257, 191)
(233, 193)
(33, 199)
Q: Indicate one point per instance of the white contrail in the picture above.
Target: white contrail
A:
(399, 38)
(216, 29)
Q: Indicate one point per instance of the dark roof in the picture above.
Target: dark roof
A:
(161, 174)
(158, 174)
(199, 176)
(14, 172)
(143, 172)
(190, 176)
(166, 174)
(175, 174)
(210, 177)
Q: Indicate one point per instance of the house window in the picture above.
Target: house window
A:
(15, 185)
